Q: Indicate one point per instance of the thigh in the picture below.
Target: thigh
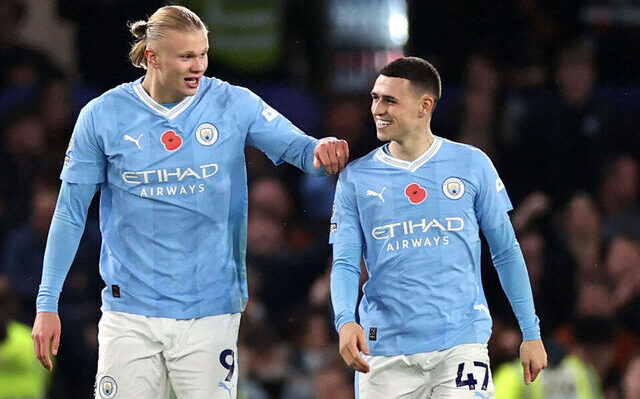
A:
(390, 377)
(130, 362)
(464, 372)
(203, 362)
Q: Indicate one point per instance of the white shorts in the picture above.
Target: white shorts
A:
(460, 372)
(138, 355)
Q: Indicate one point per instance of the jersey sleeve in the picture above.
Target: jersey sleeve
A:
(64, 237)
(85, 161)
(492, 201)
(277, 137)
(345, 220)
(347, 239)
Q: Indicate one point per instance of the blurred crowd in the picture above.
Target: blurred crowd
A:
(531, 93)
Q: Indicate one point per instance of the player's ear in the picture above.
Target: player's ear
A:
(426, 105)
(152, 57)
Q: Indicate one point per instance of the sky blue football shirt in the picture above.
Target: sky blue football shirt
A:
(417, 225)
(173, 205)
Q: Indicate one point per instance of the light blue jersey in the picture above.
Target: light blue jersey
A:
(173, 206)
(417, 225)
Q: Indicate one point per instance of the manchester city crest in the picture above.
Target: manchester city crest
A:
(107, 388)
(206, 134)
(453, 188)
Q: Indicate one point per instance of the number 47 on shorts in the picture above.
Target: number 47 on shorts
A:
(471, 382)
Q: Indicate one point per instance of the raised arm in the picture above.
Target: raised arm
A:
(281, 140)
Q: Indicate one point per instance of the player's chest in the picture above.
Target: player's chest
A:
(426, 195)
(161, 142)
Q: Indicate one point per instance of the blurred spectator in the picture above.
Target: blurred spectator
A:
(320, 292)
(22, 148)
(24, 250)
(535, 206)
(55, 105)
(567, 131)
(271, 195)
(581, 227)
(619, 198)
(622, 261)
(22, 263)
(475, 112)
(593, 298)
(549, 270)
(21, 375)
(265, 364)
(286, 264)
(333, 383)
(619, 187)
(312, 352)
(22, 66)
(631, 379)
(548, 262)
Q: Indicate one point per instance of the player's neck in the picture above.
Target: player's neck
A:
(159, 93)
(411, 148)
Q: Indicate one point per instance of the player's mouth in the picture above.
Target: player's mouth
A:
(193, 82)
(381, 124)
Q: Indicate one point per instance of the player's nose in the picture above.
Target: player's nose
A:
(198, 65)
(377, 108)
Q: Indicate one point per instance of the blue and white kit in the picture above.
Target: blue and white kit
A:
(173, 204)
(417, 225)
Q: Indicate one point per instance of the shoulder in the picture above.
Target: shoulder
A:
(356, 169)
(108, 100)
(465, 151)
(363, 162)
(229, 96)
(230, 90)
(455, 147)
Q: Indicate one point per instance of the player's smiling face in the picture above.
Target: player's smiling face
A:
(395, 107)
(181, 60)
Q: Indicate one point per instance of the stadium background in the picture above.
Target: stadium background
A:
(549, 89)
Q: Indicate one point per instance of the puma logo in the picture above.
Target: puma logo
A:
(371, 193)
(134, 141)
(222, 384)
